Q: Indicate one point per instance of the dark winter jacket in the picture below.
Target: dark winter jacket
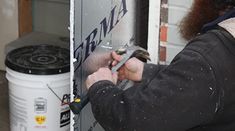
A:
(196, 92)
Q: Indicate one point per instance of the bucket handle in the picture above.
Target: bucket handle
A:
(53, 92)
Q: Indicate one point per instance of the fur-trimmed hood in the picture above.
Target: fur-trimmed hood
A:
(229, 25)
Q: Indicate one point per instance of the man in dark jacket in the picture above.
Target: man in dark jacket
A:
(196, 92)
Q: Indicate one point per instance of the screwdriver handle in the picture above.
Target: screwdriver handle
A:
(78, 104)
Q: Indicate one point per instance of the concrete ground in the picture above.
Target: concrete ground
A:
(4, 109)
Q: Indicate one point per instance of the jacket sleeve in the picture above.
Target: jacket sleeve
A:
(178, 97)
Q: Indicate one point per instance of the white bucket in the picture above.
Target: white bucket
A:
(39, 88)
(33, 106)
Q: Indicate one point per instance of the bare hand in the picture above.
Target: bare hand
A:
(101, 74)
(132, 69)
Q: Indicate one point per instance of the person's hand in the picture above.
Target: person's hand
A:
(101, 74)
(132, 69)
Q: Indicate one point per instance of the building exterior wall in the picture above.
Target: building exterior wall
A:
(153, 30)
(171, 43)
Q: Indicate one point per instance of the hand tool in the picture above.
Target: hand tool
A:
(133, 51)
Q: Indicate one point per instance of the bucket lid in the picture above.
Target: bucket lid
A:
(39, 60)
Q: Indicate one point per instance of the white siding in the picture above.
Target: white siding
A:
(154, 25)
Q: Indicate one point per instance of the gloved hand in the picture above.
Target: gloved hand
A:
(132, 69)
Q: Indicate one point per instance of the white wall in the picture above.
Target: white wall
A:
(51, 16)
(153, 29)
(8, 26)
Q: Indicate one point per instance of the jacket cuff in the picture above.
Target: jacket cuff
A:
(98, 88)
(150, 70)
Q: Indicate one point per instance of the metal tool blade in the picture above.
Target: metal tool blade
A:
(126, 57)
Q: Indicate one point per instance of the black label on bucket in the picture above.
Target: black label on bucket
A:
(65, 99)
(64, 118)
